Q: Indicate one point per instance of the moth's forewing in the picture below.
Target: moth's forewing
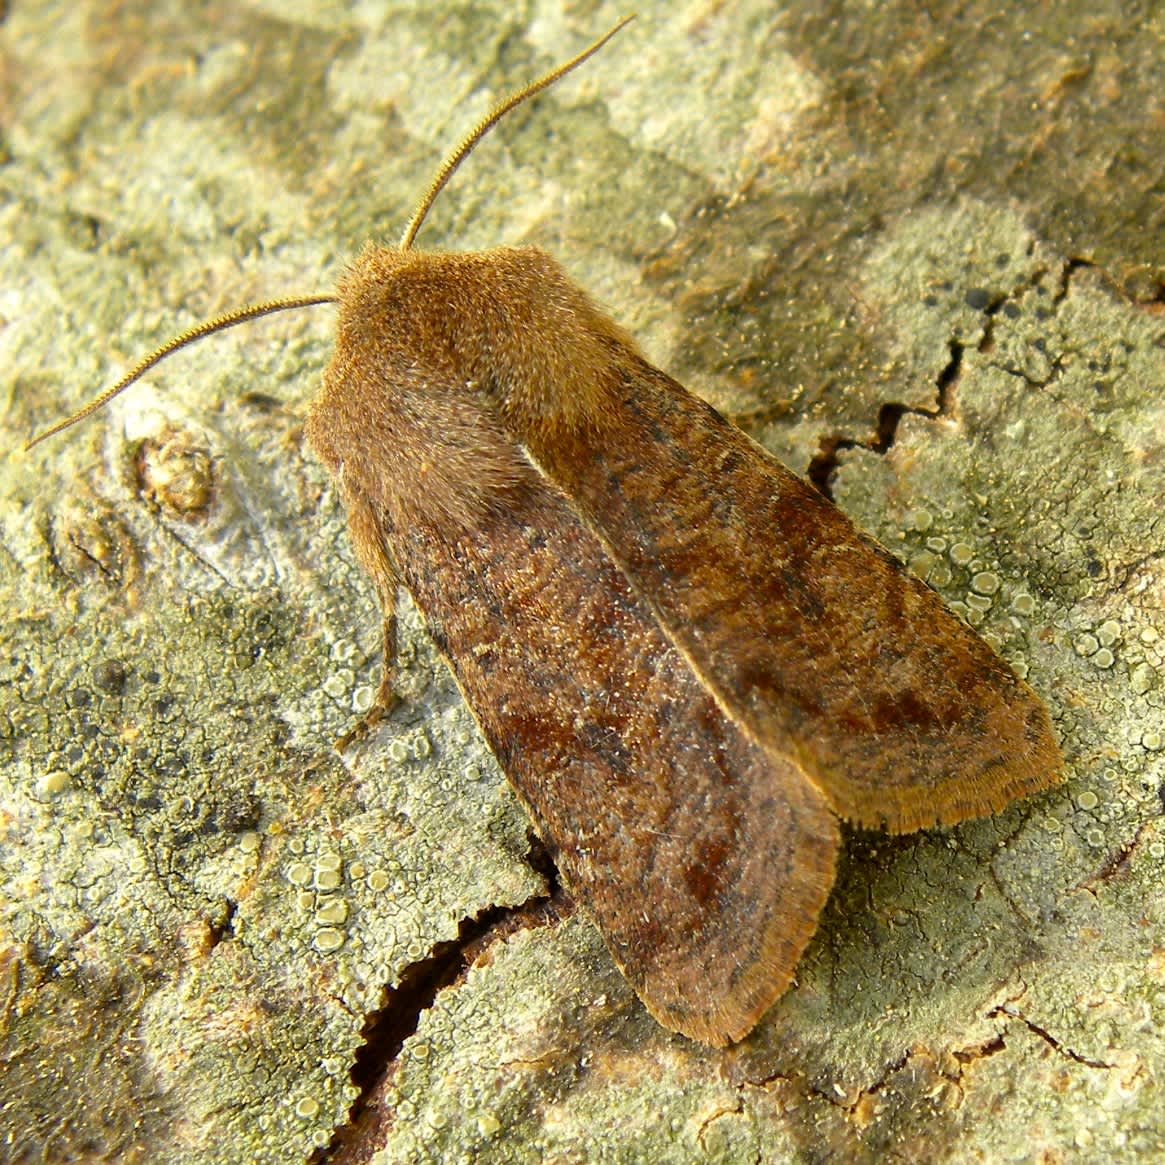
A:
(811, 635)
(704, 863)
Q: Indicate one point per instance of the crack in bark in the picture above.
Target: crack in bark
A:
(1116, 865)
(983, 1050)
(825, 462)
(1049, 1039)
(952, 1073)
(719, 1113)
(387, 1029)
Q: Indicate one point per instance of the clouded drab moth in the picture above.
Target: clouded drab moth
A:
(689, 663)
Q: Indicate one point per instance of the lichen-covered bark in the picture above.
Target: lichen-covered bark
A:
(916, 252)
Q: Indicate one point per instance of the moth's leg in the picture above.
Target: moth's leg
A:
(386, 695)
(368, 541)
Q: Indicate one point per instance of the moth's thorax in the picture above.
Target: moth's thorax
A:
(446, 365)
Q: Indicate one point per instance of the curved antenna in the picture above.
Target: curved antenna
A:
(209, 327)
(254, 311)
(449, 166)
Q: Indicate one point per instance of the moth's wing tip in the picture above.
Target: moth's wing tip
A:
(732, 1015)
(909, 809)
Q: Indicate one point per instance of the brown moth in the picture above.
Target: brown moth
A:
(689, 664)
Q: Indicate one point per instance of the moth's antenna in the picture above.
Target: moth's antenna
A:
(465, 146)
(218, 324)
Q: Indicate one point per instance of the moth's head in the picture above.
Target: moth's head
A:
(399, 420)
(506, 326)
